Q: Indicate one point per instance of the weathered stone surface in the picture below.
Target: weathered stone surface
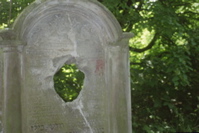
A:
(1, 88)
(55, 32)
(11, 82)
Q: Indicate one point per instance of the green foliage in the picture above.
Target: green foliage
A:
(164, 61)
(9, 9)
(68, 82)
(169, 102)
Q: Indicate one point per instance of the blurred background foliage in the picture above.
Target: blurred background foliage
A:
(164, 57)
(68, 82)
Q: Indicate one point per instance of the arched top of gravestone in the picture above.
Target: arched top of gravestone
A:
(88, 10)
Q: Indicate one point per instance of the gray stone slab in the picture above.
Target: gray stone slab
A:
(49, 34)
(1, 88)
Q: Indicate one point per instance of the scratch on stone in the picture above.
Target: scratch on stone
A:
(72, 37)
(87, 123)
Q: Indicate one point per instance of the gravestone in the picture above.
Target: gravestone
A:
(1, 86)
(47, 35)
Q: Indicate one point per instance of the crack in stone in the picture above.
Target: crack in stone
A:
(85, 119)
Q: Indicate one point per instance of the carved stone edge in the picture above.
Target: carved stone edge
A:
(1, 89)
(7, 34)
(89, 7)
(8, 41)
(123, 40)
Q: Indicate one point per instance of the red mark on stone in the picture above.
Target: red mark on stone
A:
(99, 66)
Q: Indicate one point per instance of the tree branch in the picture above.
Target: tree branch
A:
(10, 13)
(149, 46)
(100, 1)
(136, 63)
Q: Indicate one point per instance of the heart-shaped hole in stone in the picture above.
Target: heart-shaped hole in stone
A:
(68, 82)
